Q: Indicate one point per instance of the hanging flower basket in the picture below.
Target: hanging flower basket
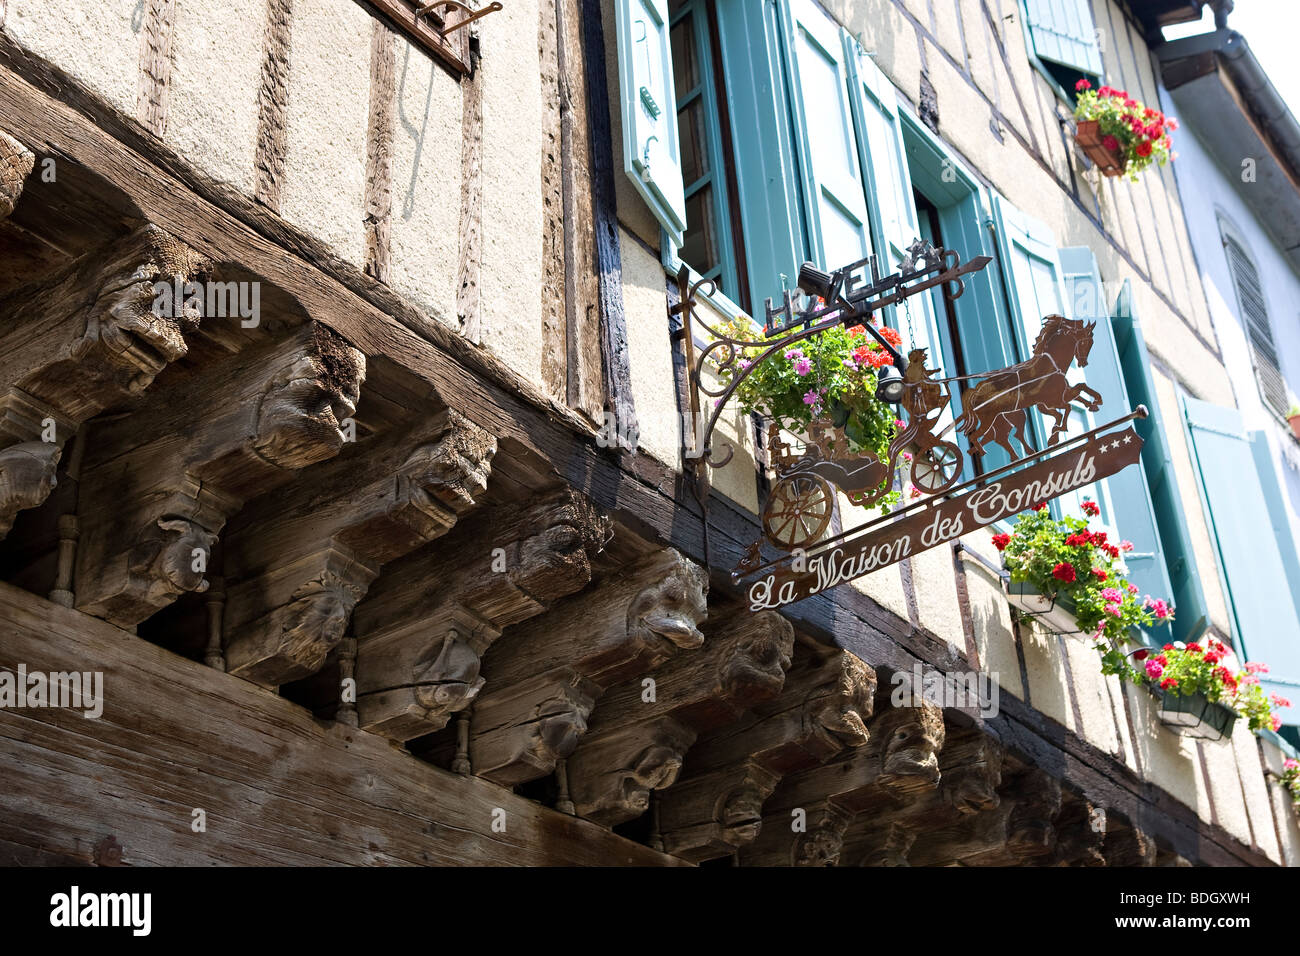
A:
(1056, 612)
(1195, 715)
(1088, 135)
(1118, 133)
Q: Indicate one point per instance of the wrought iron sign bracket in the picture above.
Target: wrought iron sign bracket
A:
(847, 297)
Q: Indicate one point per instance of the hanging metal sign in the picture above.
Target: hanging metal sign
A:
(810, 470)
(926, 524)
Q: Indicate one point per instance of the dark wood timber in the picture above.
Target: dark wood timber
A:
(609, 264)
(155, 64)
(379, 150)
(273, 105)
(276, 786)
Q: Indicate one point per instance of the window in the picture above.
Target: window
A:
(1255, 322)
(1063, 40)
(712, 242)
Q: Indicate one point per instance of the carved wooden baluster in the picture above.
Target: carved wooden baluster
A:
(215, 600)
(77, 341)
(69, 531)
(347, 712)
(460, 764)
(563, 802)
(545, 675)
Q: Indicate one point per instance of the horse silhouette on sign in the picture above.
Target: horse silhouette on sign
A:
(995, 409)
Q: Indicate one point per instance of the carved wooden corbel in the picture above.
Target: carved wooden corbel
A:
(429, 619)
(1080, 833)
(621, 629)
(297, 562)
(1126, 845)
(159, 485)
(1020, 832)
(16, 163)
(716, 806)
(970, 767)
(743, 661)
(898, 764)
(79, 341)
(610, 779)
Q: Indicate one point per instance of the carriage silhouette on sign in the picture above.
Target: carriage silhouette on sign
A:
(799, 508)
(810, 470)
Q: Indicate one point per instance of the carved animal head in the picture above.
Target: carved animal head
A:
(972, 772)
(299, 419)
(837, 712)
(556, 560)
(313, 624)
(168, 558)
(910, 739)
(447, 679)
(1037, 804)
(673, 607)
(821, 845)
(27, 476)
(454, 469)
(561, 721)
(757, 663)
(741, 814)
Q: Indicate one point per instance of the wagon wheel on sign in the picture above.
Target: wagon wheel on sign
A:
(798, 511)
(936, 468)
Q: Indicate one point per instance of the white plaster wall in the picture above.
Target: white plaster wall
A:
(1219, 195)
(512, 187)
(216, 72)
(99, 43)
(650, 354)
(424, 231)
(327, 117)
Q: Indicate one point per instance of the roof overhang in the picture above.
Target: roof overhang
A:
(1221, 91)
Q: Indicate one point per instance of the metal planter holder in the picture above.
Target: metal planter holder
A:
(1053, 611)
(1194, 715)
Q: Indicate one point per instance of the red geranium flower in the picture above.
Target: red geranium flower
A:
(1082, 85)
(1064, 572)
(1144, 148)
(1168, 682)
(891, 336)
(1100, 574)
(1110, 142)
(1000, 541)
(1091, 508)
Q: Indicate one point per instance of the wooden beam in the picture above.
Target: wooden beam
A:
(275, 785)
(609, 262)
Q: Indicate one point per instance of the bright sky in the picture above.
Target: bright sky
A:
(1270, 28)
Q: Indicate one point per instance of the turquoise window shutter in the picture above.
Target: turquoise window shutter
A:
(1124, 497)
(767, 174)
(1191, 618)
(834, 197)
(1063, 32)
(1263, 608)
(1276, 502)
(889, 189)
(651, 155)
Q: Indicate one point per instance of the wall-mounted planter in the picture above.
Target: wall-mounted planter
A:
(1087, 134)
(1195, 716)
(1054, 612)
